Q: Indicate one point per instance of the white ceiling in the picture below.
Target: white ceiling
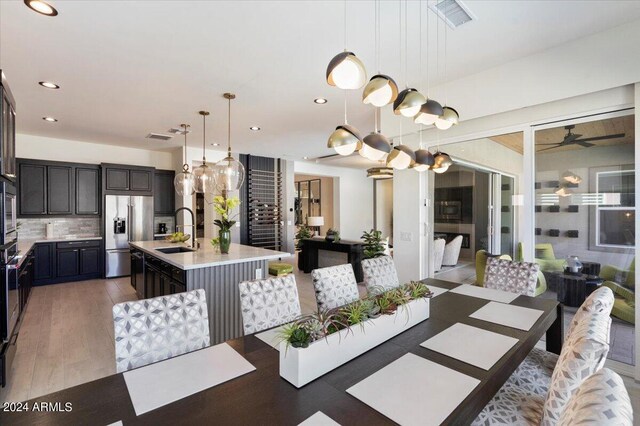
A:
(128, 68)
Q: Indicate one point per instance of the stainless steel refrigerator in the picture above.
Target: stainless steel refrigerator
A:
(127, 218)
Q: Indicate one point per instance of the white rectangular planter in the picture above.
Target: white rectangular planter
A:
(300, 366)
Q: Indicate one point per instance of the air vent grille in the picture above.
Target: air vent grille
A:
(159, 136)
(453, 12)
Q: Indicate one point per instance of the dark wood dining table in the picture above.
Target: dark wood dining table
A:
(262, 397)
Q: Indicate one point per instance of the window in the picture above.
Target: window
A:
(615, 209)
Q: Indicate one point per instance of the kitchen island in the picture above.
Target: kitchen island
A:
(161, 268)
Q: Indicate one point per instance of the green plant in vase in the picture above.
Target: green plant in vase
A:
(372, 246)
(223, 206)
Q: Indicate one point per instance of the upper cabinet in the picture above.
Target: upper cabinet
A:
(7, 130)
(48, 188)
(122, 180)
(163, 193)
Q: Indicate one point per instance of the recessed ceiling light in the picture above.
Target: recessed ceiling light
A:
(320, 101)
(215, 144)
(50, 119)
(305, 158)
(48, 85)
(254, 128)
(41, 7)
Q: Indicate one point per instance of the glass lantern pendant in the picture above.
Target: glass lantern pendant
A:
(184, 182)
(203, 174)
(229, 172)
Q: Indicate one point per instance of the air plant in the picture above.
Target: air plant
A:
(417, 290)
(295, 335)
(355, 313)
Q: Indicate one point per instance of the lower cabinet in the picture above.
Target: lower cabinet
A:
(162, 279)
(67, 261)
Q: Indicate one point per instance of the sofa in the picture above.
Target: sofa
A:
(623, 284)
(481, 264)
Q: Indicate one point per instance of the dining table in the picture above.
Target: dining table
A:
(262, 397)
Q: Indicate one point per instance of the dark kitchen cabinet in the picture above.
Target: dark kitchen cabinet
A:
(87, 191)
(59, 190)
(163, 192)
(44, 262)
(162, 279)
(122, 179)
(68, 263)
(32, 189)
(51, 188)
(90, 261)
(7, 130)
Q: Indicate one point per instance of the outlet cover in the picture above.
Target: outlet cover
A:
(258, 273)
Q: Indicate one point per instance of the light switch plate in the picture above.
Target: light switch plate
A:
(405, 236)
(258, 273)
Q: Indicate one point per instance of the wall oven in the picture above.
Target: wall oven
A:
(9, 214)
(448, 211)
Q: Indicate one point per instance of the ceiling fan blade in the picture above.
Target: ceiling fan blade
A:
(599, 138)
(555, 143)
(570, 138)
(547, 149)
(583, 143)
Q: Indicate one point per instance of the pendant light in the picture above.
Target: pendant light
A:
(381, 89)
(409, 101)
(375, 145)
(401, 157)
(441, 163)
(431, 109)
(345, 70)
(203, 174)
(345, 139)
(449, 116)
(424, 160)
(228, 172)
(380, 173)
(184, 182)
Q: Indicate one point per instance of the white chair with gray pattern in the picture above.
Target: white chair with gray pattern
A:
(268, 303)
(335, 286)
(601, 400)
(534, 373)
(581, 356)
(380, 273)
(151, 330)
(514, 277)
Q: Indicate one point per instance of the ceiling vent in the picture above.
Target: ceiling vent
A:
(178, 131)
(159, 136)
(453, 12)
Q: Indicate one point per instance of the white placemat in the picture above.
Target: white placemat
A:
(437, 291)
(162, 383)
(271, 337)
(509, 315)
(414, 391)
(319, 419)
(481, 348)
(485, 293)
(118, 423)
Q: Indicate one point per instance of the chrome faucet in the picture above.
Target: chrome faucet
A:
(194, 240)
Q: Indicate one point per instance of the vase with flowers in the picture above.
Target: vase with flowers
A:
(224, 206)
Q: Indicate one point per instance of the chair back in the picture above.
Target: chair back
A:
(268, 303)
(600, 301)
(335, 286)
(151, 330)
(601, 399)
(481, 264)
(438, 253)
(380, 273)
(452, 251)
(583, 353)
(514, 277)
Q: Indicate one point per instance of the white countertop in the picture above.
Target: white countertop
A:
(206, 256)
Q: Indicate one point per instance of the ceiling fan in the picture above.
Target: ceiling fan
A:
(576, 139)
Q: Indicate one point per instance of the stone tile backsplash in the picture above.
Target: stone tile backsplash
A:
(37, 228)
(169, 220)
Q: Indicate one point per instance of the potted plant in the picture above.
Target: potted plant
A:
(223, 206)
(302, 233)
(315, 344)
(373, 246)
(333, 235)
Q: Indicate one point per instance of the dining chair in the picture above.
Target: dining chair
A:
(335, 286)
(514, 277)
(268, 303)
(581, 356)
(601, 400)
(534, 373)
(380, 273)
(151, 330)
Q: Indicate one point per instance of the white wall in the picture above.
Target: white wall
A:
(43, 148)
(353, 197)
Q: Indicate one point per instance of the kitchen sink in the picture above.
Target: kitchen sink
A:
(179, 249)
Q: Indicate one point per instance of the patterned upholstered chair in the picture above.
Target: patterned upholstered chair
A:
(514, 277)
(534, 373)
(151, 330)
(438, 253)
(581, 356)
(335, 286)
(380, 272)
(601, 400)
(268, 303)
(452, 252)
